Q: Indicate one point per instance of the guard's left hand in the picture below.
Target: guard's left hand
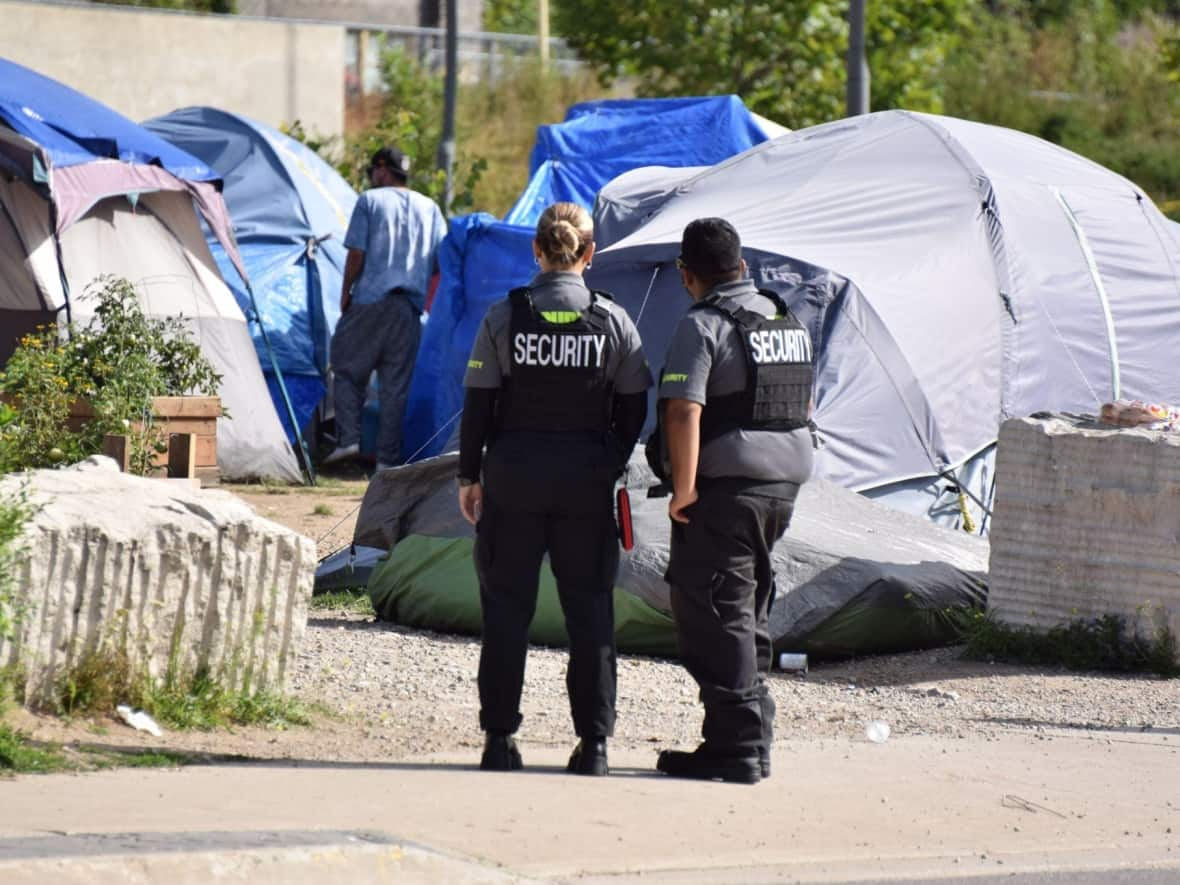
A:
(680, 502)
(471, 502)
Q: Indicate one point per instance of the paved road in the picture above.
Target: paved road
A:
(1058, 808)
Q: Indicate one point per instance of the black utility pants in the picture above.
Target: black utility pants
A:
(722, 584)
(547, 493)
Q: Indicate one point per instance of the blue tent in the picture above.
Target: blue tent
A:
(482, 258)
(72, 129)
(84, 192)
(290, 210)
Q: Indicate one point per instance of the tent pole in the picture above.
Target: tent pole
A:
(446, 146)
(274, 364)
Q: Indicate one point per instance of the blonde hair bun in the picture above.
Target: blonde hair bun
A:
(563, 233)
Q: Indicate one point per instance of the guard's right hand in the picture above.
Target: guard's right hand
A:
(471, 502)
(680, 502)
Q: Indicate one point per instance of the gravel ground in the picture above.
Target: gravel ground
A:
(389, 692)
(414, 691)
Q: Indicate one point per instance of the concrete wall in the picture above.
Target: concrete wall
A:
(406, 13)
(145, 63)
(1086, 523)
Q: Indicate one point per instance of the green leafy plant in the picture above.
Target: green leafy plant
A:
(1104, 643)
(15, 512)
(786, 59)
(117, 363)
(105, 677)
(1098, 78)
(19, 755)
(356, 601)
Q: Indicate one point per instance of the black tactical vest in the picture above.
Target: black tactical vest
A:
(778, 372)
(558, 368)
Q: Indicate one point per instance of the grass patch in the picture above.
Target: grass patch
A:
(355, 602)
(139, 759)
(205, 704)
(102, 680)
(1105, 643)
(19, 756)
(321, 510)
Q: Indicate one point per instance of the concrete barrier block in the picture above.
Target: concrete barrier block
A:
(1086, 523)
(179, 578)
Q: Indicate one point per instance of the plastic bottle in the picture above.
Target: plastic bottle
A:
(790, 661)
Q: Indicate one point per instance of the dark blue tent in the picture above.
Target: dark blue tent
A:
(290, 210)
(482, 258)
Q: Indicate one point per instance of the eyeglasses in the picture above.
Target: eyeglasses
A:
(680, 263)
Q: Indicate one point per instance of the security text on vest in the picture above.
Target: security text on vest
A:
(780, 346)
(559, 351)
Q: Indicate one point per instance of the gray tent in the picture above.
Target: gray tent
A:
(953, 274)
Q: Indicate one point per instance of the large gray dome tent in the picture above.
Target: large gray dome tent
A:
(953, 274)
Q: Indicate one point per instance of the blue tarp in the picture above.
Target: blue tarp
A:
(480, 261)
(72, 129)
(482, 258)
(290, 210)
(601, 140)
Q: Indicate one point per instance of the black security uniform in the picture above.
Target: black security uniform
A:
(556, 389)
(746, 359)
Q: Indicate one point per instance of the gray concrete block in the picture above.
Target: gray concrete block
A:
(1086, 523)
(177, 577)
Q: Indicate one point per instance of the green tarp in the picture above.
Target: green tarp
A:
(430, 582)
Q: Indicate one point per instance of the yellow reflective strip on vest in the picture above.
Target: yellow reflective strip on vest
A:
(561, 317)
(475, 364)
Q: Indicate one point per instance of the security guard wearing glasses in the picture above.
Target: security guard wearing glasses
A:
(734, 438)
(556, 390)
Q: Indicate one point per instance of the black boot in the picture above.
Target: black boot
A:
(500, 754)
(764, 761)
(709, 765)
(589, 757)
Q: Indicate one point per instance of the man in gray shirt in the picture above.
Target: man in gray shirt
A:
(392, 239)
(735, 406)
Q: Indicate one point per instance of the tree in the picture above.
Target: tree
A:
(786, 59)
(510, 16)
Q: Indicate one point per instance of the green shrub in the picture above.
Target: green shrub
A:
(104, 678)
(15, 511)
(1105, 643)
(117, 363)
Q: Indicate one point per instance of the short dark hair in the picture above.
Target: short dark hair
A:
(711, 249)
(393, 160)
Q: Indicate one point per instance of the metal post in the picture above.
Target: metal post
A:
(543, 31)
(858, 66)
(446, 147)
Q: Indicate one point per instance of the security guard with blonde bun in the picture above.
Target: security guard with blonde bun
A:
(734, 438)
(556, 389)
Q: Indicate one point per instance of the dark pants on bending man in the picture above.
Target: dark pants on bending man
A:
(384, 337)
(547, 493)
(722, 584)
